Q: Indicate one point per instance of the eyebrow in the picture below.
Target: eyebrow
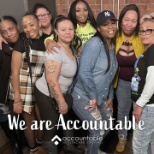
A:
(29, 23)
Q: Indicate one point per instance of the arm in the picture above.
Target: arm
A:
(15, 66)
(111, 95)
(88, 60)
(1, 41)
(50, 44)
(147, 93)
(52, 74)
(90, 53)
(109, 102)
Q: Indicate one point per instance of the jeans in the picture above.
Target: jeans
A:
(123, 94)
(143, 140)
(102, 114)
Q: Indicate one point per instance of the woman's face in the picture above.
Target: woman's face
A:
(81, 13)
(9, 31)
(147, 32)
(129, 22)
(44, 17)
(65, 31)
(31, 26)
(108, 29)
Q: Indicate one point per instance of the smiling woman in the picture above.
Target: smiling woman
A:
(45, 18)
(54, 84)
(143, 95)
(84, 23)
(128, 48)
(93, 91)
(27, 66)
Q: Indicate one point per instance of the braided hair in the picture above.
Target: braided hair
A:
(27, 43)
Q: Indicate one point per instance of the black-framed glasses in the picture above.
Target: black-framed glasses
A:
(41, 16)
(147, 31)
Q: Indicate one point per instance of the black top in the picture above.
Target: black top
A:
(5, 61)
(5, 69)
(35, 44)
(142, 65)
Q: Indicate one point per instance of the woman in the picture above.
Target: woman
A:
(128, 48)
(59, 80)
(143, 91)
(83, 20)
(27, 66)
(45, 18)
(10, 32)
(93, 91)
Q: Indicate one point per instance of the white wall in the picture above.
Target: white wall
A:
(15, 8)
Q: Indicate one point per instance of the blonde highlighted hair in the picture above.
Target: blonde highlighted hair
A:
(147, 17)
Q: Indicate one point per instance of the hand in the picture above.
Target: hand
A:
(50, 44)
(137, 113)
(18, 107)
(63, 108)
(2, 40)
(109, 104)
(92, 105)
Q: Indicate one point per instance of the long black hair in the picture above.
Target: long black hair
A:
(27, 42)
(98, 34)
(123, 12)
(72, 14)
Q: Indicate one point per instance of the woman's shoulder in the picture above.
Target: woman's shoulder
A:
(54, 56)
(93, 40)
(150, 50)
(19, 45)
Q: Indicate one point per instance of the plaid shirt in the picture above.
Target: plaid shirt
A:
(37, 60)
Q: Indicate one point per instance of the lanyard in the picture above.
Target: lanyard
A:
(135, 65)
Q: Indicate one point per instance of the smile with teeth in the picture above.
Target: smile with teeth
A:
(31, 34)
(111, 32)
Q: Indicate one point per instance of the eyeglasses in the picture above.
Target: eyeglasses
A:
(147, 31)
(41, 16)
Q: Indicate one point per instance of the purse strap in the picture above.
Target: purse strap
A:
(71, 88)
(47, 82)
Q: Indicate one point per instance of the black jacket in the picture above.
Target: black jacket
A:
(5, 70)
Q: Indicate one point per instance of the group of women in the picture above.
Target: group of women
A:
(39, 78)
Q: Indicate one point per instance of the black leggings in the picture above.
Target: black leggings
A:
(48, 112)
(16, 138)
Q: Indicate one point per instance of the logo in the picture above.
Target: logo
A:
(107, 13)
(56, 140)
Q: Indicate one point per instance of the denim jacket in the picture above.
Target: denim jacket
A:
(93, 82)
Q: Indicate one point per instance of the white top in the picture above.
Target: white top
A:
(148, 89)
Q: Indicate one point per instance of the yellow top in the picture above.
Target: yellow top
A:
(50, 37)
(136, 43)
(86, 32)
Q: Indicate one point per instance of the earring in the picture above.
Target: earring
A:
(40, 33)
(56, 37)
